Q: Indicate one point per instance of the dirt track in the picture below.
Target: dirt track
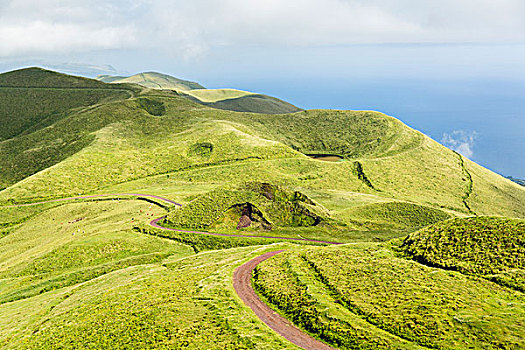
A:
(241, 277)
(155, 222)
(243, 286)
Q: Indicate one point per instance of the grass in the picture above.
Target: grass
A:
(153, 80)
(215, 95)
(381, 301)
(94, 274)
(108, 286)
(399, 215)
(491, 247)
(266, 205)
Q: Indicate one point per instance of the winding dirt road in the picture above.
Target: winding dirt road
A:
(243, 286)
(156, 222)
(241, 277)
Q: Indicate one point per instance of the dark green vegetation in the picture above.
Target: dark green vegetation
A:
(256, 104)
(152, 80)
(263, 204)
(363, 296)
(491, 247)
(34, 98)
(94, 274)
(151, 106)
(226, 99)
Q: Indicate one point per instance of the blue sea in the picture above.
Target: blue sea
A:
(491, 113)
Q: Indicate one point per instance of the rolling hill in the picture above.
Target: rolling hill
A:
(226, 99)
(153, 80)
(413, 259)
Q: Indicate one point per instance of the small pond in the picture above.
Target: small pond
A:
(326, 157)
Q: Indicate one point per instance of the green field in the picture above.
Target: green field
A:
(226, 99)
(215, 95)
(432, 253)
(152, 80)
(363, 296)
(491, 247)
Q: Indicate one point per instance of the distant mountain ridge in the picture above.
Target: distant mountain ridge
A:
(226, 99)
(153, 80)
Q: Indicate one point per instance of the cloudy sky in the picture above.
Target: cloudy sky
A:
(193, 28)
(446, 67)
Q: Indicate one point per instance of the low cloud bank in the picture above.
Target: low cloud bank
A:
(461, 141)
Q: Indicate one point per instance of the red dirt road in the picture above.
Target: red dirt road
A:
(241, 277)
(156, 222)
(243, 286)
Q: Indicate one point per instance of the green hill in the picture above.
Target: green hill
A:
(226, 99)
(93, 273)
(492, 247)
(363, 296)
(153, 80)
(33, 98)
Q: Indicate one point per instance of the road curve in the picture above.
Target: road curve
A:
(156, 222)
(241, 277)
(243, 286)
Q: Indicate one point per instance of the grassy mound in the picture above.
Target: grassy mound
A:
(153, 80)
(41, 78)
(262, 205)
(493, 247)
(255, 103)
(402, 215)
(362, 296)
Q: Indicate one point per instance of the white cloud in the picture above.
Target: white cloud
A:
(460, 141)
(189, 28)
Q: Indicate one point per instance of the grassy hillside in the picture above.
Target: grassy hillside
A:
(215, 95)
(362, 296)
(94, 273)
(157, 133)
(256, 104)
(153, 80)
(77, 276)
(492, 247)
(35, 77)
(33, 98)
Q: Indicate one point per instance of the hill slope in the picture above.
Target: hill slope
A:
(492, 247)
(94, 272)
(30, 96)
(153, 80)
(384, 159)
(363, 296)
(226, 99)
